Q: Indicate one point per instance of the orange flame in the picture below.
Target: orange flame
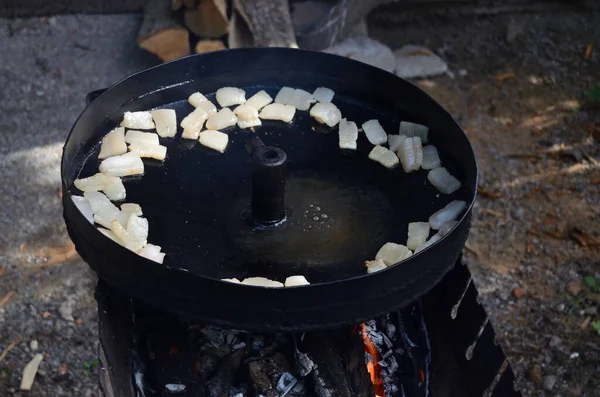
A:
(373, 366)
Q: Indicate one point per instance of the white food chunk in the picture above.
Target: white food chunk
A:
(443, 181)
(113, 144)
(158, 152)
(374, 132)
(262, 282)
(152, 252)
(84, 206)
(407, 155)
(137, 227)
(431, 158)
(214, 139)
(129, 241)
(413, 129)
(115, 190)
(231, 280)
(294, 281)
(323, 94)
(417, 234)
(326, 113)
(132, 208)
(375, 266)
(189, 134)
(434, 239)
(284, 95)
(446, 228)
(247, 116)
(392, 253)
(259, 100)
(301, 99)
(395, 141)
(228, 96)
(447, 214)
(348, 134)
(93, 183)
(166, 122)
(196, 99)
(110, 235)
(104, 211)
(277, 111)
(149, 138)
(418, 149)
(223, 119)
(384, 156)
(123, 165)
(139, 120)
(194, 121)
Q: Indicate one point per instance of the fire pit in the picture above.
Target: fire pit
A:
(279, 202)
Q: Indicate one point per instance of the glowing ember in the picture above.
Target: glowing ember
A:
(373, 363)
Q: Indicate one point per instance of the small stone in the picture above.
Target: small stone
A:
(535, 374)
(66, 309)
(33, 345)
(574, 287)
(561, 307)
(554, 341)
(549, 382)
(518, 292)
(591, 310)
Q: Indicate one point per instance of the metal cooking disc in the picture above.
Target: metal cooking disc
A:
(341, 206)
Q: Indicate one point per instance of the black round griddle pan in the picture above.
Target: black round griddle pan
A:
(341, 206)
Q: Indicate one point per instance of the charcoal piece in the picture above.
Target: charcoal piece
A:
(206, 362)
(218, 385)
(340, 360)
(265, 373)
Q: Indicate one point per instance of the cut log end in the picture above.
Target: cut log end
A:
(209, 45)
(168, 44)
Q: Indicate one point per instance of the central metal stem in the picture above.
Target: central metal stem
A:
(268, 182)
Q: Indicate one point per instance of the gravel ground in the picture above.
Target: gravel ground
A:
(530, 128)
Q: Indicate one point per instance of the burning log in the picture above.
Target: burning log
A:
(266, 372)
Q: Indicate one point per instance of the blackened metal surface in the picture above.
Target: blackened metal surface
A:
(189, 211)
(268, 185)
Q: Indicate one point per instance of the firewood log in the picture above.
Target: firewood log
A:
(209, 45)
(269, 22)
(161, 34)
(205, 20)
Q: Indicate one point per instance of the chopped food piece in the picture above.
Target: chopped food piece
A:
(231, 280)
(301, 99)
(247, 116)
(165, 121)
(434, 239)
(149, 138)
(446, 228)
(384, 156)
(413, 129)
(194, 121)
(104, 211)
(392, 253)
(395, 141)
(323, 94)
(418, 149)
(284, 95)
(348, 134)
(259, 100)
(115, 190)
(277, 111)
(262, 282)
(132, 208)
(158, 152)
(84, 206)
(447, 214)
(443, 181)
(326, 113)
(223, 119)
(113, 144)
(214, 139)
(137, 227)
(139, 120)
(110, 235)
(189, 134)
(228, 96)
(123, 165)
(417, 234)
(374, 132)
(93, 183)
(294, 281)
(431, 158)
(407, 155)
(152, 252)
(126, 239)
(196, 98)
(375, 266)
(199, 101)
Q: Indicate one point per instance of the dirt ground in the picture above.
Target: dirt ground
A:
(518, 86)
